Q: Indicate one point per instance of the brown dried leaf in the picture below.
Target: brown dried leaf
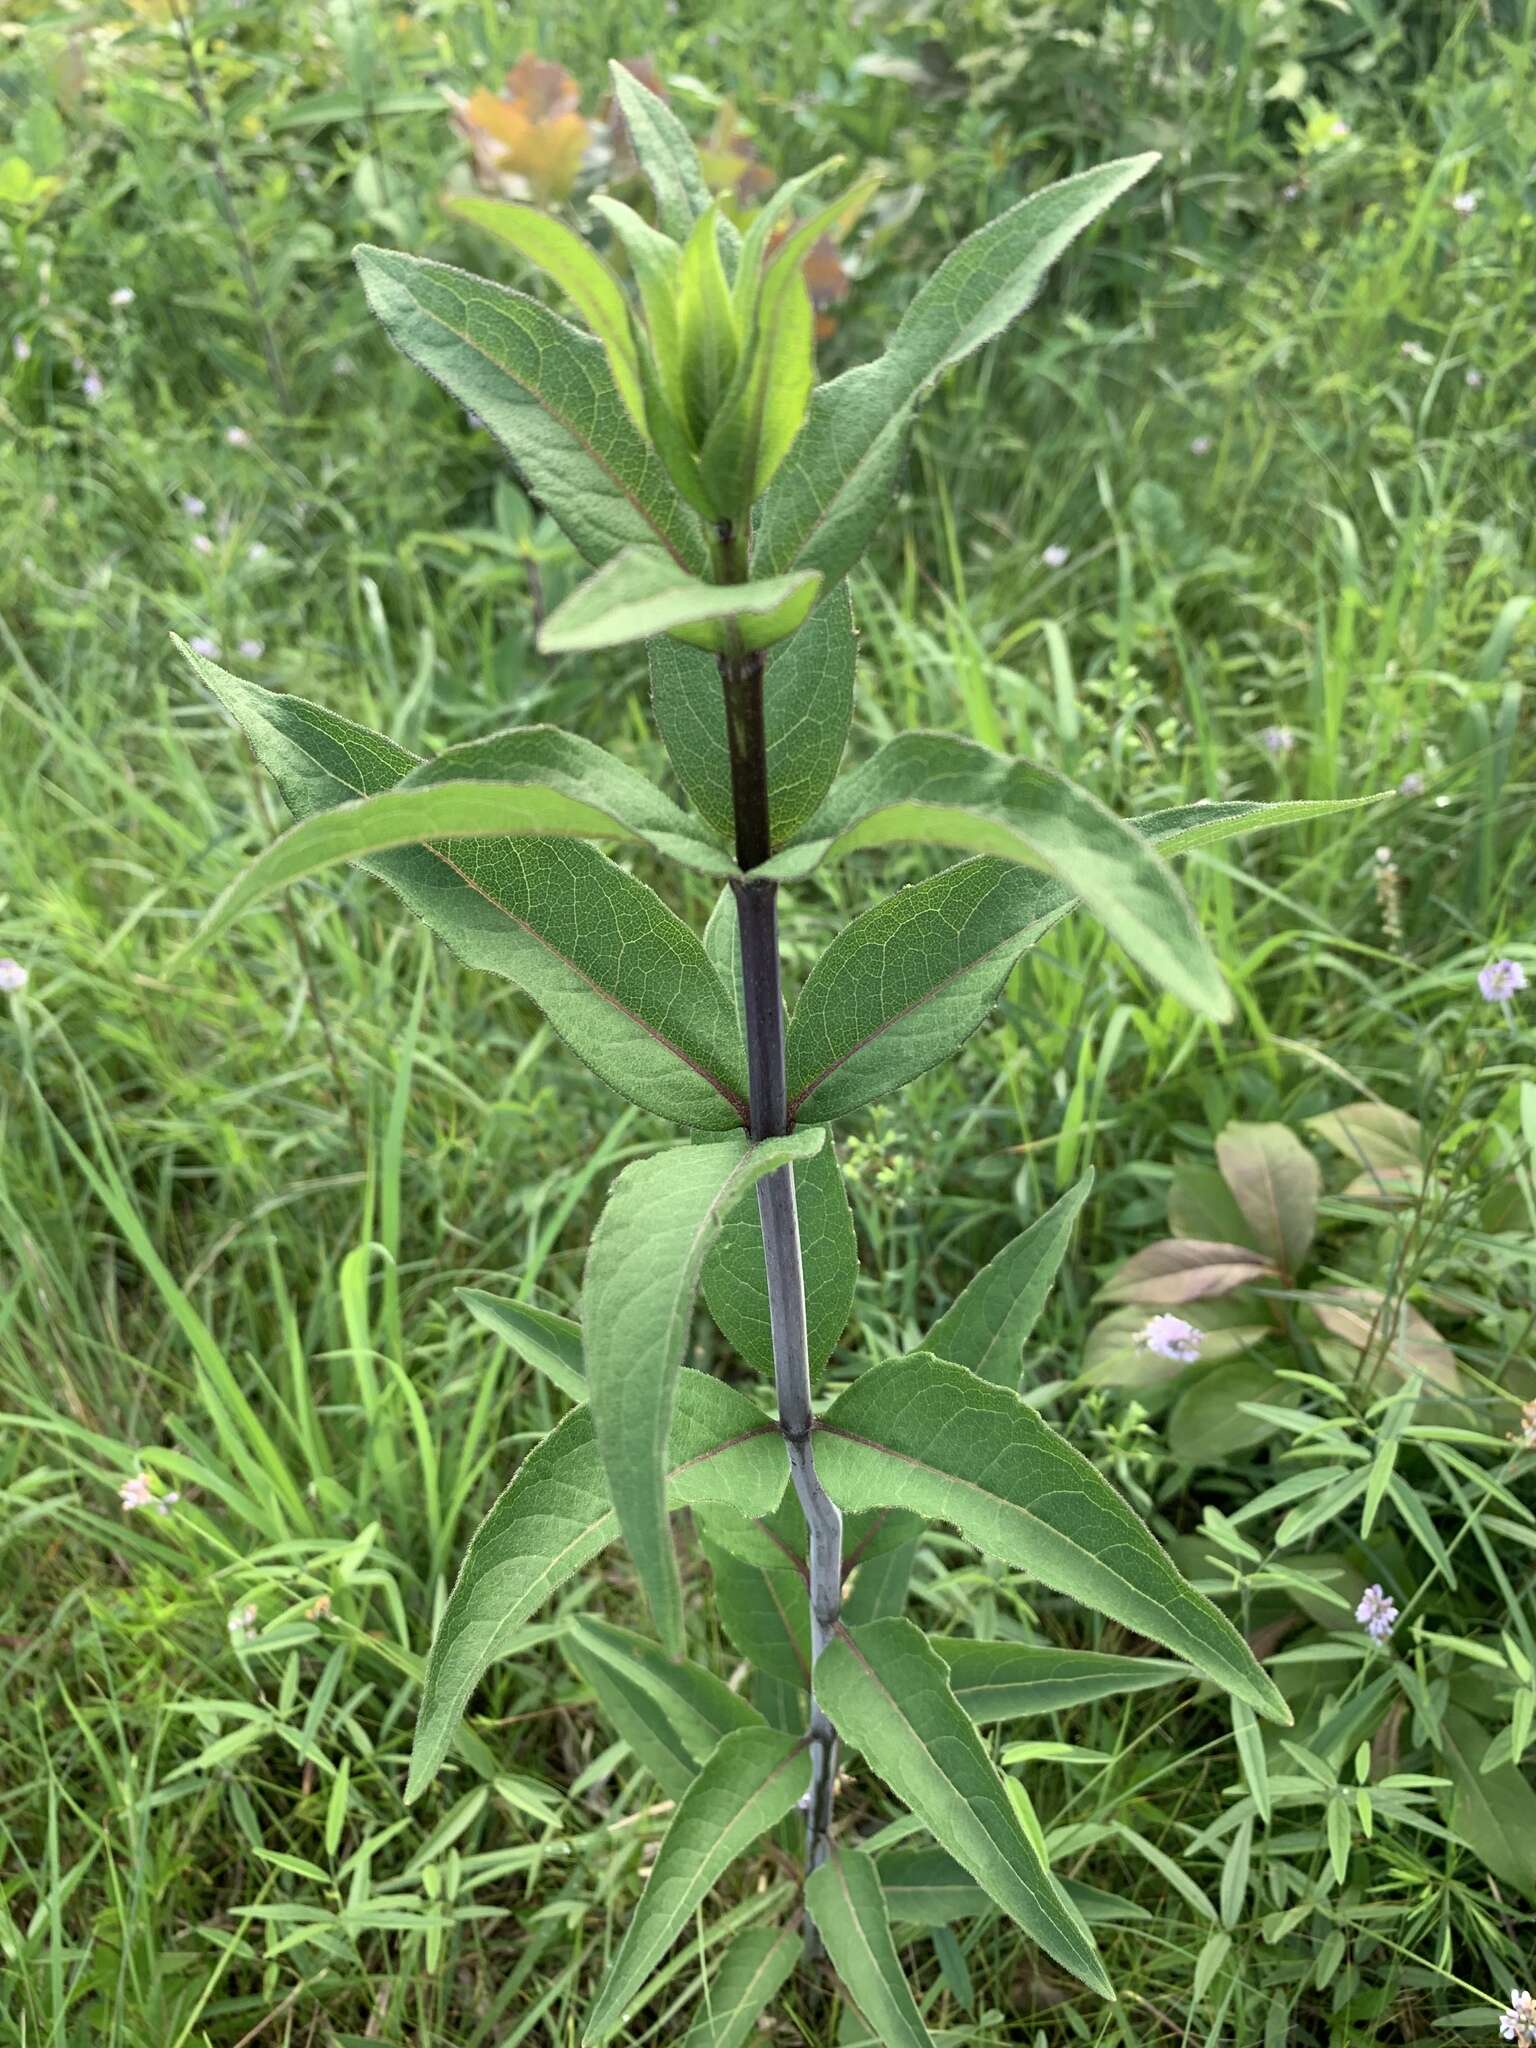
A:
(1181, 1269)
(530, 138)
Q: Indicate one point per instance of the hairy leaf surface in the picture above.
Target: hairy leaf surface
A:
(887, 1692)
(556, 1515)
(753, 1779)
(637, 1301)
(546, 392)
(641, 592)
(923, 1434)
(987, 1327)
(846, 1902)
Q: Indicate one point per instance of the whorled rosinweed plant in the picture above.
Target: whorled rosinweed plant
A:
(721, 499)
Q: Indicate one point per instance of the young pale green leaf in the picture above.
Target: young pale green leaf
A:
(546, 392)
(845, 1900)
(556, 1515)
(926, 1435)
(549, 245)
(807, 709)
(755, 1969)
(637, 1301)
(989, 1324)
(708, 343)
(642, 592)
(937, 790)
(753, 1779)
(551, 1344)
(1010, 1681)
(765, 1614)
(695, 1706)
(665, 151)
(835, 486)
(620, 976)
(736, 1278)
(887, 1693)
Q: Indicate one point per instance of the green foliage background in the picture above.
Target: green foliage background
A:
(1279, 409)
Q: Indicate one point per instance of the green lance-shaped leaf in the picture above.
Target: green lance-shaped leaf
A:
(765, 1614)
(807, 709)
(551, 1344)
(936, 790)
(556, 1515)
(671, 1713)
(643, 591)
(845, 1899)
(887, 1693)
(637, 1301)
(546, 392)
(665, 151)
(923, 1434)
(623, 980)
(906, 983)
(1010, 1681)
(753, 1972)
(752, 1780)
(928, 1888)
(987, 1327)
(597, 295)
(736, 1274)
(834, 487)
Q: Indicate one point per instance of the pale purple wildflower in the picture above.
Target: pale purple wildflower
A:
(123, 296)
(1501, 981)
(1412, 784)
(1377, 1613)
(1517, 2022)
(135, 1492)
(13, 977)
(1340, 130)
(1474, 380)
(242, 1623)
(1055, 556)
(192, 505)
(1201, 445)
(1171, 1337)
(21, 348)
(252, 650)
(1464, 203)
(202, 544)
(1292, 192)
(92, 386)
(1277, 739)
(237, 437)
(205, 645)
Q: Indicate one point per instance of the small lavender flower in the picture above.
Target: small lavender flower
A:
(1340, 131)
(1517, 2022)
(135, 1492)
(205, 645)
(1277, 740)
(251, 650)
(1473, 380)
(13, 977)
(1412, 784)
(92, 386)
(1055, 556)
(202, 544)
(1171, 1337)
(242, 1623)
(1377, 1613)
(237, 437)
(21, 348)
(1201, 445)
(1501, 981)
(1464, 203)
(192, 505)
(123, 296)
(1292, 192)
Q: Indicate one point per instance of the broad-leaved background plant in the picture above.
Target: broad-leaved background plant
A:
(678, 438)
